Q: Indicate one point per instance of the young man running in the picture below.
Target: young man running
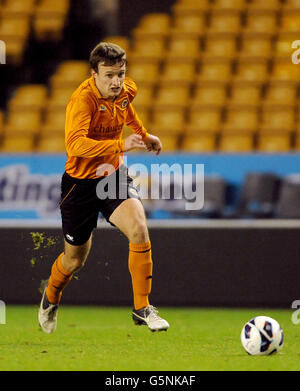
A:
(95, 116)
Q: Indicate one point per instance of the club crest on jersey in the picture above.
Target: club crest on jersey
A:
(124, 103)
(102, 108)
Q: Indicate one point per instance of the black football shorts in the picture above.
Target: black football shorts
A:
(83, 199)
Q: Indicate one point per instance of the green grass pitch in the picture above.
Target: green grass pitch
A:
(105, 339)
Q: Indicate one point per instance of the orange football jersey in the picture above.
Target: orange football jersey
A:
(94, 127)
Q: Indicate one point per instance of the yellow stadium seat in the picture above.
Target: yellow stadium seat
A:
(290, 20)
(266, 4)
(49, 19)
(50, 143)
(278, 117)
(119, 40)
(182, 46)
(245, 93)
(220, 45)
(256, 45)
(18, 144)
(152, 24)
(274, 143)
(236, 143)
(243, 117)
(180, 73)
(167, 120)
(144, 98)
(255, 70)
(14, 50)
(184, 7)
(143, 72)
(28, 97)
(70, 73)
(283, 45)
(176, 96)
(190, 24)
(281, 93)
(292, 4)
(24, 123)
(261, 21)
(209, 94)
(54, 122)
(215, 69)
(144, 114)
(203, 120)
(230, 4)
(200, 144)
(59, 98)
(170, 143)
(152, 49)
(19, 8)
(225, 21)
(285, 71)
(14, 28)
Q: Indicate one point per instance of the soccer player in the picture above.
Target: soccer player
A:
(95, 116)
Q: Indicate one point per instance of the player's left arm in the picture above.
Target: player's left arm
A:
(152, 142)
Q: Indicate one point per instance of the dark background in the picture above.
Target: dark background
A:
(249, 267)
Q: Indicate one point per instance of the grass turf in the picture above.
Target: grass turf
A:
(105, 339)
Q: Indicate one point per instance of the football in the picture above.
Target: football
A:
(262, 336)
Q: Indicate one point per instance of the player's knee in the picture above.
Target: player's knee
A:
(139, 232)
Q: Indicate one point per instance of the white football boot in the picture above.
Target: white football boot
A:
(47, 314)
(148, 316)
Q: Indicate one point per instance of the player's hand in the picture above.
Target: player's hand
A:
(134, 141)
(153, 143)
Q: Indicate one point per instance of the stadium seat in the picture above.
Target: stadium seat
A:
(284, 70)
(205, 120)
(54, 121)
(18, 8)
(215, 69)
(236, 143)
(180, 73)
(283, 45)
(51, 143)
(191, 7)
(144, 114)
(59, 98)
(252, 70)
(70, 73)
(280, 117)
(182, 47)
(14, 28)
(220, 45)
(290, 20)
(265, 5)
(281, 93)
(230, 4)
(274, 143)
(190, 24)
(259, 195)
(143, 72)
(199, 144)
(18, 144)
(241, 117)
(175, 96)
(28, 97)
(167, 120)
(144, 97)
(289, 197)
(26, 124)
(150, 49)
(169, 142)
(209, 94)
(291, 4)
(49, 19)
(225, 21)
(245, 93)
(256, 45)
(261, 21)
(152, 25)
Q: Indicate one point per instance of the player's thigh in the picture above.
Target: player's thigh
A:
(130, 218)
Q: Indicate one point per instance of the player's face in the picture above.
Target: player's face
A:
(110, 79)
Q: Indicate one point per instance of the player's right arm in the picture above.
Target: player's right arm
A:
(78, 118)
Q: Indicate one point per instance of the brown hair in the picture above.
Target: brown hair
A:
(108, 54)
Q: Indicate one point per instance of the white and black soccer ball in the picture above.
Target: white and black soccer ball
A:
(262, 336)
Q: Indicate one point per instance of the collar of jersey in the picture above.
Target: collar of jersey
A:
(95, 90)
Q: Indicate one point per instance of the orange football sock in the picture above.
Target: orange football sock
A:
(59, 278)
(140, 267)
